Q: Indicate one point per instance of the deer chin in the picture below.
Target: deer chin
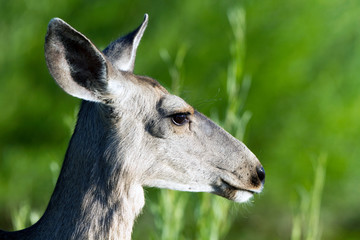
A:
(235, 194)
(242, 196)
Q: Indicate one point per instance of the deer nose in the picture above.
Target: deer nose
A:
(261, 173)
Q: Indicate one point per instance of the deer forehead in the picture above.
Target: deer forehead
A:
(139, 93)
(171, 104)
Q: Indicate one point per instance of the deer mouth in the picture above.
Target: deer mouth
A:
(236, 194)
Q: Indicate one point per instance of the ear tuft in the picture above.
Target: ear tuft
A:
(122, 52)
(74, 62)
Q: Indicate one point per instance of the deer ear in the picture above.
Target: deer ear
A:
(122, 52)
(74, 62)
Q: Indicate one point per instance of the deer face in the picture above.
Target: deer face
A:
(170, 144)
(194, 154)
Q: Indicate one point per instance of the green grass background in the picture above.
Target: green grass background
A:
(297, 73)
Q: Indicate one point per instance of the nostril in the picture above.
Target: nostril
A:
(261, 173)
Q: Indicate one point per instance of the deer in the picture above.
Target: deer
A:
(130, 133)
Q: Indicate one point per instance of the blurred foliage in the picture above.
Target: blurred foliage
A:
(303, 58)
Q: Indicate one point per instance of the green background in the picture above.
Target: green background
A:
(303, 58)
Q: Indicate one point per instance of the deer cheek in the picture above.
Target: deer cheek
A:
(155, 129)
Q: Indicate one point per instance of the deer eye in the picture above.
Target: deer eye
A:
(179, 119)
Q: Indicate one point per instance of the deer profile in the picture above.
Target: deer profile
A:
(131, 133)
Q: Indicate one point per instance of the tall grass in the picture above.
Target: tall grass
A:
(211, 213)
(26, 215)
(306, 221)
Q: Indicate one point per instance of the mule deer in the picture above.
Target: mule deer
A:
(130, 133)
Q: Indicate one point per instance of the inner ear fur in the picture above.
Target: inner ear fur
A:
(78, 67)
(122, 52)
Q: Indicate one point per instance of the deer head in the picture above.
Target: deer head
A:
(158, 138)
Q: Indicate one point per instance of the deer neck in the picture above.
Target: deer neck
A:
(95, 197)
